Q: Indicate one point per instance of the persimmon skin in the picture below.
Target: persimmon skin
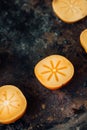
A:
(54, 71)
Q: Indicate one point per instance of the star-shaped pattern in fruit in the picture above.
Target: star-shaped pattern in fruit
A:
(54, 70)
(8, 102)
(71, 6)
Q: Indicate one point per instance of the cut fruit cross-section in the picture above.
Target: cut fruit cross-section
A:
(70, 11)
(12, 104)
(54, 71)
(83, 39)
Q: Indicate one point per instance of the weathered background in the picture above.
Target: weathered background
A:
(30, 31)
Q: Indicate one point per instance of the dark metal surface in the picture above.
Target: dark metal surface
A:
(30, 31)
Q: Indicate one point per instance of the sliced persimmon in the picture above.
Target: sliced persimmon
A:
(83, 39)
(54, 71)
(70, 11)
(12, 104)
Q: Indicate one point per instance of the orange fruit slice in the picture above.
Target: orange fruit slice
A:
(83, 39)
(12, 104)
(70, 10)
(54, 71)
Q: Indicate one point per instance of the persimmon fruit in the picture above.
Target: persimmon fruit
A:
(12, 104)
(54, 71)
(70, 11)
(83, 39)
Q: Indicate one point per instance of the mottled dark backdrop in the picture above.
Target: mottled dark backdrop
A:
(30, 31)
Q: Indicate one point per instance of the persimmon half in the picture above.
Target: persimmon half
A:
(70, 11)
(83, 39)
(54, 71)
(12, 104)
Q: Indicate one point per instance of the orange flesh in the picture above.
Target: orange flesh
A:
(70, 11)
(54, 71)
(83, 39)
(12, 104)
